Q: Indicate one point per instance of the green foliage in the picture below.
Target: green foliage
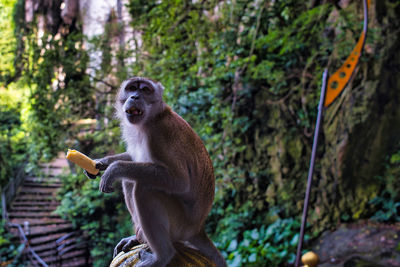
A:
(12, 135)
(60, 90)
(220, 69)
(103, 217)
(8, 250)
(244, 74)
(269, 245)
(7, 42)
(387, 202)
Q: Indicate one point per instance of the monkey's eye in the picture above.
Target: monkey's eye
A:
(131, 88)
(147, 90)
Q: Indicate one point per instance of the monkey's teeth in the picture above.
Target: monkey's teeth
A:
(134, 111)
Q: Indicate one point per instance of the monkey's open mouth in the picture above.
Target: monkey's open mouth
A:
(134, 111)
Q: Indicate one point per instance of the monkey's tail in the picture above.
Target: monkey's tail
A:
(204, 244)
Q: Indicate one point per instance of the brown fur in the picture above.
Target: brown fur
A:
(167, 176)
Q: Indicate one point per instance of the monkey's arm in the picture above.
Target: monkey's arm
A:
(103, 163)
(149, 175)
(108, 160)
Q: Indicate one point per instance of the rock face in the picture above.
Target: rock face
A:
(359, 130)
(93, 16)
(361, 127)
(49, 9)
(356, 245)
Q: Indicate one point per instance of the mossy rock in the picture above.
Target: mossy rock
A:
(185, 257)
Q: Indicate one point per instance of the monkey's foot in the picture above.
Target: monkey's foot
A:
(184, 256)
(147, 259)
(126, 244)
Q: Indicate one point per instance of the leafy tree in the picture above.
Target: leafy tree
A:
(246, 75)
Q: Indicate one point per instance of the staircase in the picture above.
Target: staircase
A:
(52, 238)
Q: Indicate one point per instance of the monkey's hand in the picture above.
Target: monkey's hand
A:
(100, 165)
(126, 244)
(108, 178)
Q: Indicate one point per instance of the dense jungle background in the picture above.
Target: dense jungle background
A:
(246, 75)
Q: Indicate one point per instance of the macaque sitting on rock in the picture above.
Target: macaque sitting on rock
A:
(167, 175)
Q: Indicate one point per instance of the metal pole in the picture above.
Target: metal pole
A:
(311, 169)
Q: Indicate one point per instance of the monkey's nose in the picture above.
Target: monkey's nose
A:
(134, 97)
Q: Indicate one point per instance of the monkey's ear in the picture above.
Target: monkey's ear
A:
(160, 86)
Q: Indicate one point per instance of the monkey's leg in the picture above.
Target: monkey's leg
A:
(206, 246)
(127, 243)
(153, 210)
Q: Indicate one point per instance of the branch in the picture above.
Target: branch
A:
(113, 87)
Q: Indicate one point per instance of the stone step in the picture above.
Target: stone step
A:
(52, 172)
(32, 179)
(42, 185)
(35, 199)
(41, 240)
(25, 190)
(53, 252)
(42, 208)
(66, 257)
(36, 231)
(43, 248)
(75, 262)
(49, 252)
(31, 215)
(35, 202)
(73, 245)
(39, 222)
(59, 162)
(48, 249)
(26, 197)
(33, 205)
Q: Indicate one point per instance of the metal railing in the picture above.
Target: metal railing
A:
(69, 242)
(62, 245)
(29, 252)
(10, 190)
(7, 195)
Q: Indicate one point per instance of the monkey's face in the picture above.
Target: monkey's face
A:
(138, 99)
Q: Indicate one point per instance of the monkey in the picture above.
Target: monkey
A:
(166, 173)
